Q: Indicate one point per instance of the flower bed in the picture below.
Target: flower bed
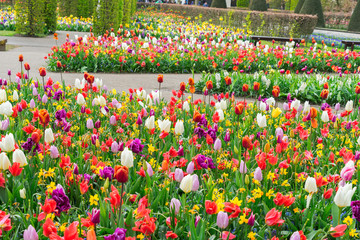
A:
(83, 161)
(305, 87)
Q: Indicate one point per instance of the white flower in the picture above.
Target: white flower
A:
(295, 104)
(306, 107)
(7, 144)
(310, 185)
(150, 122)
(4, 161)
(221, 115)
(186, 183)
(6, 109)
(80, 99)
(23, 193)
(186, 106)
(344, 194)
(325, 116)
(349, 106)
(49, 135)
(261, 120)
(303, 86)
(164, 125)
(262, 106)
(15, 96)
(179, 127)
(79, 84)
(127, 158)
(19, 157)
(3, 97)
(270, 101)
(98, 82)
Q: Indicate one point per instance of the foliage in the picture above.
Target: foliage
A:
(121, 11)
(68, 8)
(258, 5)
(107, 16)
(29, 17)
(85, 8)
(242, 3)
(218, 4)
(299, 6)
(50, 15)
(127, 12)
(354, 24)
(314, 7)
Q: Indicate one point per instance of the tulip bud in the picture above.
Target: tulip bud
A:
(251, 220)
(217, 144)
(95, 216)
(243, 168)
(247, 180)
(196, 183)
(175, 205)
(106, 184)
(310, 185)
(121, 174)
(49, 135)
(19, 156)
(222, 220)
(30, 233)
(258, 174)
(267, 148)
(190, 168)
(186, 183)
(4, 161)
(127, 158)
(179, 175)
(23, 193)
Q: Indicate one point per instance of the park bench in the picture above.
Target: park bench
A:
(350, 43)
(3, 44)
(277, 39)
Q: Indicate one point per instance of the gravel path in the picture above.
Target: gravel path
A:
(338, 34)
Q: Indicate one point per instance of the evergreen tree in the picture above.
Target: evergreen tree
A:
(127, 12)
(106, 16)
(121, 11)
(258, 5)
(50, 15)
(299, 6)
(242, 3)
(219, 4)
(29, 17)
(354, 24)
(313, 7)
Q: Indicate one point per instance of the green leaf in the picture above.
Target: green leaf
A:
(335, 214)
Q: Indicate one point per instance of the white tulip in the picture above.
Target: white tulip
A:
(49, 135)
(3, 97)
(7, 144)
(79, 84)
(186, 106)
(261, 120)
(19, 157)
(270, 101)
(179, 127)
(15, 96)
(98, 82)
(164, 125)
(4, 161)
(23, 193)
(127, 158)
(102, 101)
(349, 106)
(221, 115)
(344, 194)
(186, 183)
(80, 99)
(150, 122)
(6, 109)
(306, 107)
(295, 104)
(262, 106)
(310, 185)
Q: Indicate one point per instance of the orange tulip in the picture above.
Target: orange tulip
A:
(42, 72)
(121, 174)
(160, 78)
(44, 117)
(239, 108)
(256, 86)
(324, 94)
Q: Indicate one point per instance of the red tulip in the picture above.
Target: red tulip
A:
(338, 231)
(15, 169)
(211, 207)
(272, 218)
(121, 174)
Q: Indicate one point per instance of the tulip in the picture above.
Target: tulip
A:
(220, 113)
(349, 106)
(4, 124)
(89, 124)
(175, 205)
(258, 174)
(164, 125)
(4, 161)
(187, 183)
(196, 183)
(19, 157)
(7, 144)
(239, 108)
(54, 153)
(261, 120)
(310, 185)
(276, 112)
(348, 171)
(222, 220)
(139, 120)
(98, 124)
(44, 117)
(179, 175)
(149, 169)
(190, 168)
(243, 168)
(186, 106)
(15, 96)
(343, 195)
(6, 109)
(32, 103)
(295, 236)
(49, 135)
(251, 220)
(355, 208)
(150, 122)
(95, 216)
(338, 231)
(30, 233)
(272, 218)
(121, 174)
(179, 127)
(217, 144)
(3, 97)
(325, 117)
(23, 193)
(80, 99)
(127, 158)
(337, 107)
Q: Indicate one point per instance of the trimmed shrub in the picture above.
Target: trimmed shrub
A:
(258, 5)
(121, 11)
(354, 24)
(299, 6)
(50, 15)
(314, 7)
(270, 23)
(66, 8)
(133, 7)
(218, 4)
(29, 17)
(127, 12)
(85, 8)
(242, 3)
(106, 16)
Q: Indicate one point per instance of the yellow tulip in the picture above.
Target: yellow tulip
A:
(276, 112)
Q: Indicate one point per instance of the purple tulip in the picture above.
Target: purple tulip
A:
(355, 207)
(197, 219)
(295, 236)
(357, 155)
(258, 174)
(180, 151)
(227, 136)
(76, 169)
(54, 153)
(243, 168)
(152, 112)
(9, 72)
(30, 233)
(44, 99)
(136, 146)
(114, 147)
(4, 124)
(175, 205)
(119, 234)
(62, 201)
(279, 132)
(121, 147)
(222, 220)
(251, 220)
(196, 183)
(89, 124)
(139, 120)
(95, 216)
(190, 168)
(149, 169)
(113, 120)
(286, 107)
(97, 124)
(32, 103)
(83, 109)
(217, 144)
(179, 175)
(107, 172)
(35, 92)
(337, 107)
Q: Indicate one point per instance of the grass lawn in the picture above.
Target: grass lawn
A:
(7, 33)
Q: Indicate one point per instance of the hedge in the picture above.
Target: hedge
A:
(50, 15)
(29, 17)
(106, 16)
(260, 23)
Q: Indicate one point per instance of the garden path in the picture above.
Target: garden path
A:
(338, 34)
(35, 49)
